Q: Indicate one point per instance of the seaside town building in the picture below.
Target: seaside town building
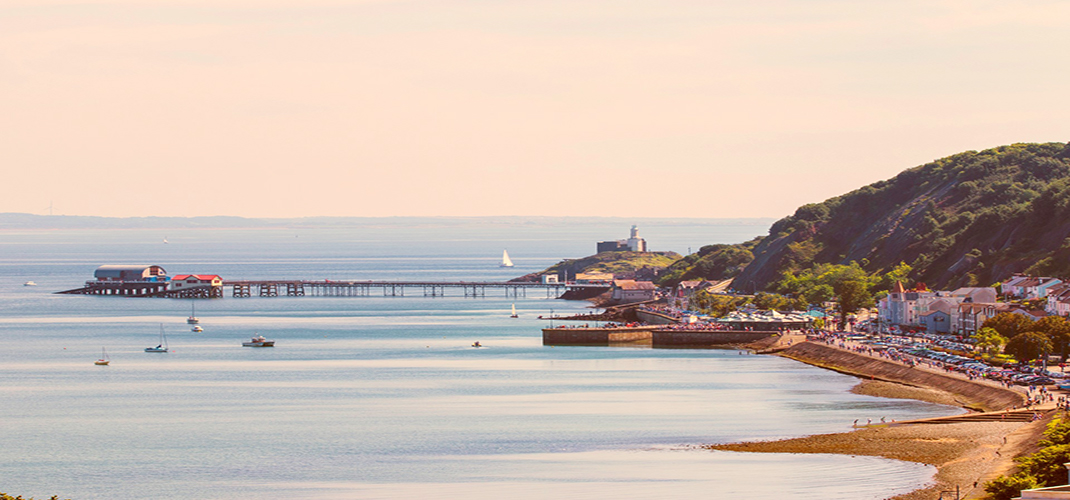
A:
(1025, 287)
(1058, 300)
(971, 316)
(632, 244)
(936, 311)
(628, 291)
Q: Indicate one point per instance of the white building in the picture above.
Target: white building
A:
(635, 243)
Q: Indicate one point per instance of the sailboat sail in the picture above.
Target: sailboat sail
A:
(514, 312)
(506, 261)
(162, 347)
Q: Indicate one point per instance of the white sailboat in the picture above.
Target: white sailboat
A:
(506, 261)
(104, 360)
(162, 347)
(514, 312)
(192, 319)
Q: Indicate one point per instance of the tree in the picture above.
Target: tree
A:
(989, 340)
(853, 295)
(1047, 464)
(1008, 487)
(1009, 324)
(1028, 346)
(819, 294)
(1058, 331)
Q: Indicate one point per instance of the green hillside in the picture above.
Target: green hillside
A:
(968, 219)
(607, 262)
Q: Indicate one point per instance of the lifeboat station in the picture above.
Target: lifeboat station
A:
(149, 281)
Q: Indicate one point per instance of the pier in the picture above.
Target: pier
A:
(333, 288)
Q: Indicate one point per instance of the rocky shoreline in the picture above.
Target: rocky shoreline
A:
(966, 454)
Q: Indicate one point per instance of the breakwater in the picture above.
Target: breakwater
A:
(596, 336)
(656, 335)
(970, 394)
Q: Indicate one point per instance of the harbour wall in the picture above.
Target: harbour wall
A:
(653, 318)
(595, 336)
(657, 338)
(686, 338)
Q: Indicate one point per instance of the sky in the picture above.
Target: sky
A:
(666, 108)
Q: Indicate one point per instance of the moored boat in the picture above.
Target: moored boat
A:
(196, 329)
(192, 319)
(259, 341)
(162, 346)
(29, 283)
(104, 360)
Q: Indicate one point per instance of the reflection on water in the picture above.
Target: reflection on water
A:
(374, 397)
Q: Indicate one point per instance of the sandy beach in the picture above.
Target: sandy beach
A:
(967, 454)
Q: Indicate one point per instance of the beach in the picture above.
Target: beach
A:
(967, 454)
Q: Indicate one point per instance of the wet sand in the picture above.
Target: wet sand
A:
(966, 454)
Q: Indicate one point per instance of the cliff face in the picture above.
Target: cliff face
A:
(968, 219)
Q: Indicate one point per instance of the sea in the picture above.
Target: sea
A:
(383, 397)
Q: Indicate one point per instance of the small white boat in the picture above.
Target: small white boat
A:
(29, 283)
(514, 312)
(259, 341)
(162, 347)
(506, 261)
(196, 329)
(192, 319)
(104, 360)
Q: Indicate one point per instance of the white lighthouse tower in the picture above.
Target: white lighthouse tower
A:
(635, 243)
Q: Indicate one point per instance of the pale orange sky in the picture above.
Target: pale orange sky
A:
(287, 108)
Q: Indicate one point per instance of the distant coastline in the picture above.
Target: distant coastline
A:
(34, 221)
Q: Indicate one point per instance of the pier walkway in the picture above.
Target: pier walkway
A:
(333, 288)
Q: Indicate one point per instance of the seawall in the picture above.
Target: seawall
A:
(595, 336)
(652, 334)
(973, 395)
(698, 338)
(653, 318)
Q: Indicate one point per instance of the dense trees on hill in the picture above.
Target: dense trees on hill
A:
(711, 262)
(965, 220)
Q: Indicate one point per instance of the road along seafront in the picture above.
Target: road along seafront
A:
(967, 451)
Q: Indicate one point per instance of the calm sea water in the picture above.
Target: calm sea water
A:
(382, 397)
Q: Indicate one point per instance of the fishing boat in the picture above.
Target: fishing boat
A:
(192, 319)
(162, 347)
(259, 341)
(514, 312)
(104, 360)
(196, 329)
(476, 344)
(506, 261)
